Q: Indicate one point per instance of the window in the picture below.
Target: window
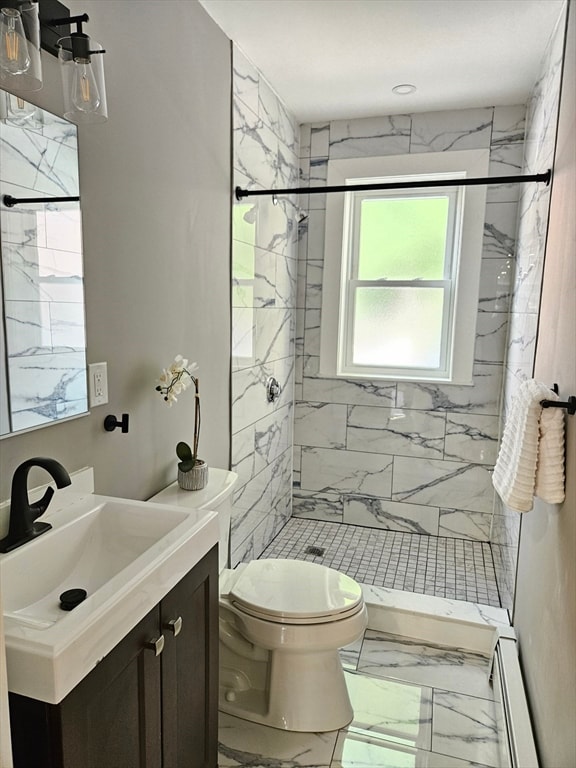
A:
(401, 271)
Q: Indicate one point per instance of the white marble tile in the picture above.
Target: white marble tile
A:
(355, 749)
(456, 610)
(272, 339)
(353, 392)
(522, 343)
(442, 483)
(312, 332)
(499, 230)
(245, 80)
(316, 220)
(317, 177)
(67, 324)
(400, 712)
(319, 139)
(274, 114)
(370, 136)
(391, 515)
(42, 274)
(470, 437)
(320, 424)
(286, 279)
(249, 403)
(243, 460)
(465, 727)
(34, 161)
(396, 431)
(456, 523)
(314, 276)
(243, 337)
(25, 225)
(491, 330)
(481, 398)
(496, 285)
(509, 124)
(400, 658)
(326, 469)
(305, 134)
(317, 505)
(28, 327)
(350, 654)
(505, 160)
(242, 743)
(61, 391)
(451, 130)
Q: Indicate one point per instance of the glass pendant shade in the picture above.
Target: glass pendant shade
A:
(14, 109)
(20, 62)
(83, 83)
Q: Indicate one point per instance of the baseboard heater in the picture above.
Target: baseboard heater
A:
(515, 727)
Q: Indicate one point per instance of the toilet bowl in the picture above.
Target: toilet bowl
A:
(281, 625)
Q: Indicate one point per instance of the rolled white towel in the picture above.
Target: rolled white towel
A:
(515, 470)
(549, 485)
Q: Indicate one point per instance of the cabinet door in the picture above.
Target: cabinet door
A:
(112, 718)
(190, 669)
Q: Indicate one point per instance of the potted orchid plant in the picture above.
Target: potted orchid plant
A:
(192, 471)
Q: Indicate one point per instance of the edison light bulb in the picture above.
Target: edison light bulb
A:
(14, 56)
(85, 95)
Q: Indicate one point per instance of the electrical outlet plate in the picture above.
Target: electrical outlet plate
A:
(98, 384)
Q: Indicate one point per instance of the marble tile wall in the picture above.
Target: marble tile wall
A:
(391, 454)
(264, 267)
(534, 200)
(42, 271)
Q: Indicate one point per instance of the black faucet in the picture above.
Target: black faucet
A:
(22, 527)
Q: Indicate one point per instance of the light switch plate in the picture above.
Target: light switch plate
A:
(98, 384)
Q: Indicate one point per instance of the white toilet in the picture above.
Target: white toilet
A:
(281, 625)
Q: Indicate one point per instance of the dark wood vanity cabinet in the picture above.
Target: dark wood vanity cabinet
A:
(137, 709)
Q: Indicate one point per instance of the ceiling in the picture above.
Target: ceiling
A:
(334, 59)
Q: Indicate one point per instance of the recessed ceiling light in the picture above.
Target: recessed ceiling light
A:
(404, 89)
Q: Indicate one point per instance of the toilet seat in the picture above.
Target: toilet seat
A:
(292, 592)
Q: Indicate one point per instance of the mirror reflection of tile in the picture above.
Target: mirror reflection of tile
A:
(42, 373)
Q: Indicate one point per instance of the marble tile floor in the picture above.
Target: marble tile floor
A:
(415, 706)
(440, 566)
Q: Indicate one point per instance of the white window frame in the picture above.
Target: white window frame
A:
(461, 333)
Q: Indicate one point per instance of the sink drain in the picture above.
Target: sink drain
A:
(71, 598)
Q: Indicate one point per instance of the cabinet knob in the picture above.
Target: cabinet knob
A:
(156, 645)
(174, 625)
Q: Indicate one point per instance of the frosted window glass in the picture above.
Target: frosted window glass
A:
(403, 239)
(398, 327)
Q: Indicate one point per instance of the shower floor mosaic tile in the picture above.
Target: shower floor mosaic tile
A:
(445, 567)
(414, 705)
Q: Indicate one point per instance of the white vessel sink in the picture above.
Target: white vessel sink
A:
(126, 554)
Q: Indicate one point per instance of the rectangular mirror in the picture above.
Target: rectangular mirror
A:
(42, 326)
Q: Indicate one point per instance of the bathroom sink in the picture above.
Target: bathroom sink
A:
(125, 554)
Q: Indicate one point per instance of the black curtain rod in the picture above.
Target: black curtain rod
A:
(10, 201)
(540, 177)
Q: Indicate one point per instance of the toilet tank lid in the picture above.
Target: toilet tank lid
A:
(220, 485)
(294, 589)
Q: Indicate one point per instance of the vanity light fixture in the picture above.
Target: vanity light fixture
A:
(20, 62)
(28, 25)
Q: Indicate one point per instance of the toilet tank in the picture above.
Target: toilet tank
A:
(215, 496)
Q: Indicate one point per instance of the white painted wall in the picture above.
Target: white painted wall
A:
(155, 187)
(545, 610)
